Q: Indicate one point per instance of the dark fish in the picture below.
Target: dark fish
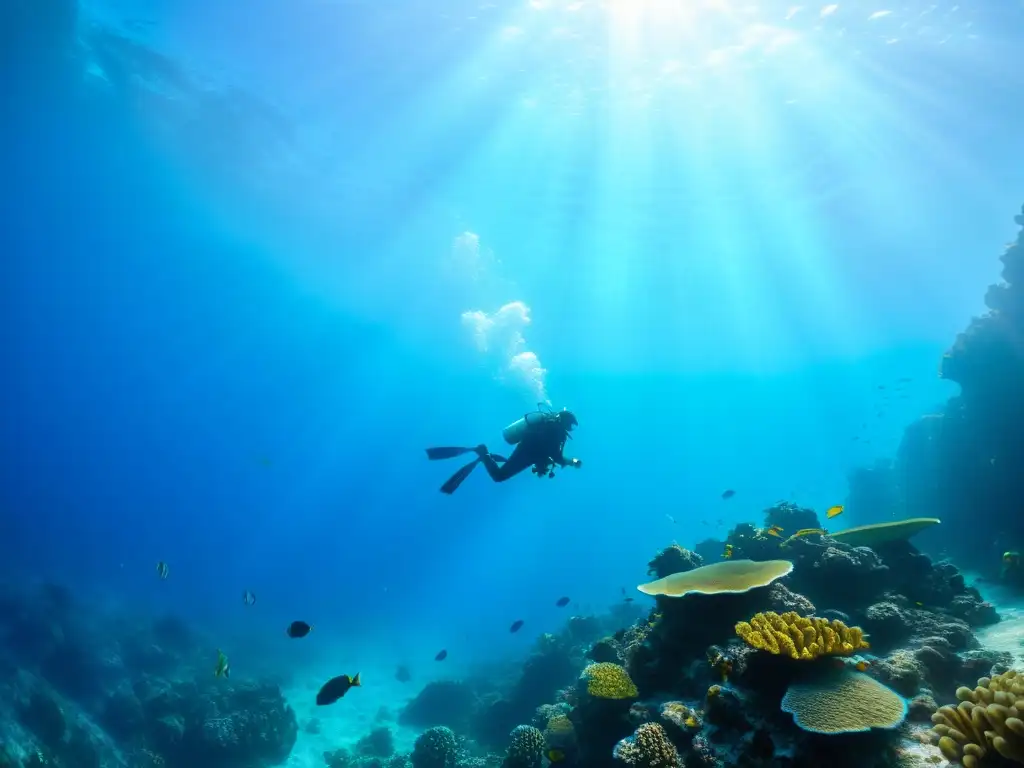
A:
(335, 688)
(881, 386)
(562, 602)
(627, 599)
(441, 656)
(248, 598)
(162, 570)
(728, 494)
(623, 590)
(402, 674)
(516, 626)
(299, 629)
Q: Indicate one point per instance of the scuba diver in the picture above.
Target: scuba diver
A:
(539, 439)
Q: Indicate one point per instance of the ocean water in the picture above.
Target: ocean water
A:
(256, 257)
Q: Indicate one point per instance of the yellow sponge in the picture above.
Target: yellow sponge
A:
(793, 635)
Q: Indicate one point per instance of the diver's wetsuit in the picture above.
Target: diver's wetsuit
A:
(540, 447)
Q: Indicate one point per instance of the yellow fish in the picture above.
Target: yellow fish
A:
(556, 755)
(834, 511)
(690, 722)
(728, 551)
(223, 668)
(774, 530)
(804, 532)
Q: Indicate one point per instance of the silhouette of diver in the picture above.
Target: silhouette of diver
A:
(539, 439)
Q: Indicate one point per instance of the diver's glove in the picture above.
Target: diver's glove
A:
(576, 463)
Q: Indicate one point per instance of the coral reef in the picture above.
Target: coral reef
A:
(987, 717)
(648, 747)
(435, 748)
(525, 749)
(844, 702)
(798, 637)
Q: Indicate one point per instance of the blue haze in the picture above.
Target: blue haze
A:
(228, 340)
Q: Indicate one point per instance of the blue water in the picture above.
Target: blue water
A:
(239, 240)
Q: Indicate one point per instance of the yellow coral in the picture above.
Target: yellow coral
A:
(730, 577)
(793, 635)
(560, 732)
(992, 715)
(844, 702)
(605, 680)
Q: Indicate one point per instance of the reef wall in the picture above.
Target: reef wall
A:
(965, 464)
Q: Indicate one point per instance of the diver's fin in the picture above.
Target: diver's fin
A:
(447, 453)
(456, 480)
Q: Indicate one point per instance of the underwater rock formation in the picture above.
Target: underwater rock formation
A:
(966, 464)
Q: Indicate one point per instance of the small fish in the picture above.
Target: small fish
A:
(775, 530)
(622, 589)
(834, 511)
(881, 386)
(1011, 559)
(728, 494)
(670, 518)
(627, 599)
(223, 666)
(335, 688)
(248, 598)
(690, 722)
(298, 629)
(555, 755)
(516, 626)
(804, 532)
(162, 570)
(862, 666)
(728, 551)
(918, 603)
(441, 655)
(402, 674)
(562, 602)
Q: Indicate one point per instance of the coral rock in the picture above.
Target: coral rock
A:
(648, 747)
(608, 681)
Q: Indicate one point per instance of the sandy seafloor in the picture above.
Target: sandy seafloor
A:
(345, 722)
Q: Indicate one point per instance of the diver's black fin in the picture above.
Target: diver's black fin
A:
(447, 453)
(456, 480)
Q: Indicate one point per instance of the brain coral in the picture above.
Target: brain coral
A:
(988, 716)
(793, 635)
(844, 702)
(605, 680)
(731, 576)
(648, 747)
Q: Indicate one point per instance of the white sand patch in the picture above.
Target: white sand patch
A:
(345, 722)
(1008, 634)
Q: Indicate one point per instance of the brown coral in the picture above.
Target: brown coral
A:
(987, 717)
(649, 747)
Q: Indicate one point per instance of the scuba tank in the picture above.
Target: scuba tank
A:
(515, 431)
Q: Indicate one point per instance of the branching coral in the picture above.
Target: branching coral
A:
(844, 702)
(798, 637)
(988, 716)
(648, 747)
(608, 681)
